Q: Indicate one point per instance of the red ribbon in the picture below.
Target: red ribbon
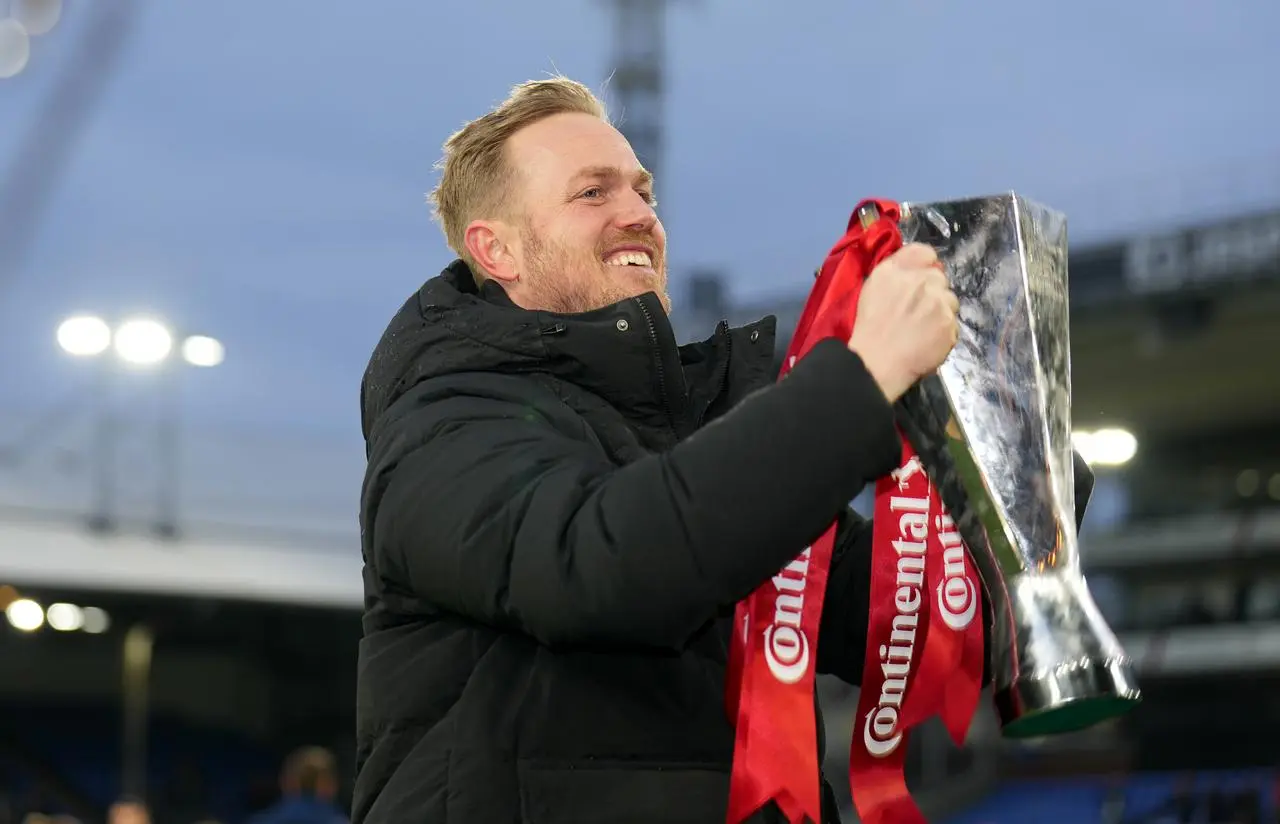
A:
(916, 667)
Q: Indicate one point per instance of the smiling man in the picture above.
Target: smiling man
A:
(561, 506)
(551, 235)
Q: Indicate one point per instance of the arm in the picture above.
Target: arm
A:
(481, 507)
(842, 636)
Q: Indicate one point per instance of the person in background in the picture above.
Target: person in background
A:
(308, 787)
(129, 810)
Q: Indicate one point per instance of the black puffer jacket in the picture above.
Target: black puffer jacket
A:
(558, 515)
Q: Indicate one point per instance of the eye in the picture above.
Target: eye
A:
(647, 196)
(593, 192)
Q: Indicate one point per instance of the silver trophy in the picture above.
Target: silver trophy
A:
(993, 429)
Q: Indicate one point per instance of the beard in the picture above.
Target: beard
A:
(569, 280)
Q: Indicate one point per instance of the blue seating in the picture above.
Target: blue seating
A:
(1080, 800)
(83, 745)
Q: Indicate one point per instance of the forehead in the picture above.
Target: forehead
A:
(551, 152)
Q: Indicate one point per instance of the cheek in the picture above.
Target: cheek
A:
(580, 237)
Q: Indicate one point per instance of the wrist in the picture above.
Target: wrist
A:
(893, 381)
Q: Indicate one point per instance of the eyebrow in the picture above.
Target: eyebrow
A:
(641, 178)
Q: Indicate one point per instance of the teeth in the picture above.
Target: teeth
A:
(630, 259)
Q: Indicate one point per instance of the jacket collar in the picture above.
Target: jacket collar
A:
(625, 353)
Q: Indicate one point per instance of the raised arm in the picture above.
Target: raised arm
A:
(480, 505)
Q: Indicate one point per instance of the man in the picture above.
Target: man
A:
(561, 507)
(308, 787)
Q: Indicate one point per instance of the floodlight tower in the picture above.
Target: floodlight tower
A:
(138, 343)
(637, 79)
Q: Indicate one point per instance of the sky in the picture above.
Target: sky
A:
(257, 171)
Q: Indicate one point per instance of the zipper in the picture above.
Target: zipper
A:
(722, 374)
(659, 357)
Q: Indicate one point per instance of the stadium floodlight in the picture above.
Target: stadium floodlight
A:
(37, 16)
(139, 341)
(84, 336)
(64, 617)
(15, 47)
(202, 350)
(143, 342)
(24, 615)
(1106, 447)
(95, 620)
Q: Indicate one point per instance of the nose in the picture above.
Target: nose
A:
(636, 214)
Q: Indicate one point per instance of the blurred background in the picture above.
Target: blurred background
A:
(209, 211)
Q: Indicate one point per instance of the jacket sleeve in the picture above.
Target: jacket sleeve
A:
(478, 505)
(842, 635)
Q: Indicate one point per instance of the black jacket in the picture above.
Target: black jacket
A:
(558, 516)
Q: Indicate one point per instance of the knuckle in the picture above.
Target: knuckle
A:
(922, 252)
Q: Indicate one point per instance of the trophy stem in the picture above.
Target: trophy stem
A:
(1056, 665)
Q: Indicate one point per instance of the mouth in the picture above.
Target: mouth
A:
(632, 257)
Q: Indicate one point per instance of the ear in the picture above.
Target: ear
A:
(486, 241)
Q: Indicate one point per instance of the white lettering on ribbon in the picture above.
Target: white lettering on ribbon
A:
(880, 733)
(786, 650)
(957, 597)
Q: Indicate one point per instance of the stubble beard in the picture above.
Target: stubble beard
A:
(561, 280)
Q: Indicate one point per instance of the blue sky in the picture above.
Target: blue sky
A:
(256, 170)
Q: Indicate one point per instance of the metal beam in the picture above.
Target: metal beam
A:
(50, 141)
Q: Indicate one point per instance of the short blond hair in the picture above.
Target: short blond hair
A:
(474, 174)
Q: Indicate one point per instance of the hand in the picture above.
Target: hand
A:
(907, 319)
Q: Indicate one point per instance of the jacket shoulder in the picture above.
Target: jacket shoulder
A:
(443, 404)
(464, 390)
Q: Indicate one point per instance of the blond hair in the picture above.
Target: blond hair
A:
(475, 177)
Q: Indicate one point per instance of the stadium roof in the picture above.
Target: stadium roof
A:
(67, 556)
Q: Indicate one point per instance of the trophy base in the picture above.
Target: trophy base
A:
(1073, 698)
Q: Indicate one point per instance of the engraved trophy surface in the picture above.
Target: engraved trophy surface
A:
(993, 427)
